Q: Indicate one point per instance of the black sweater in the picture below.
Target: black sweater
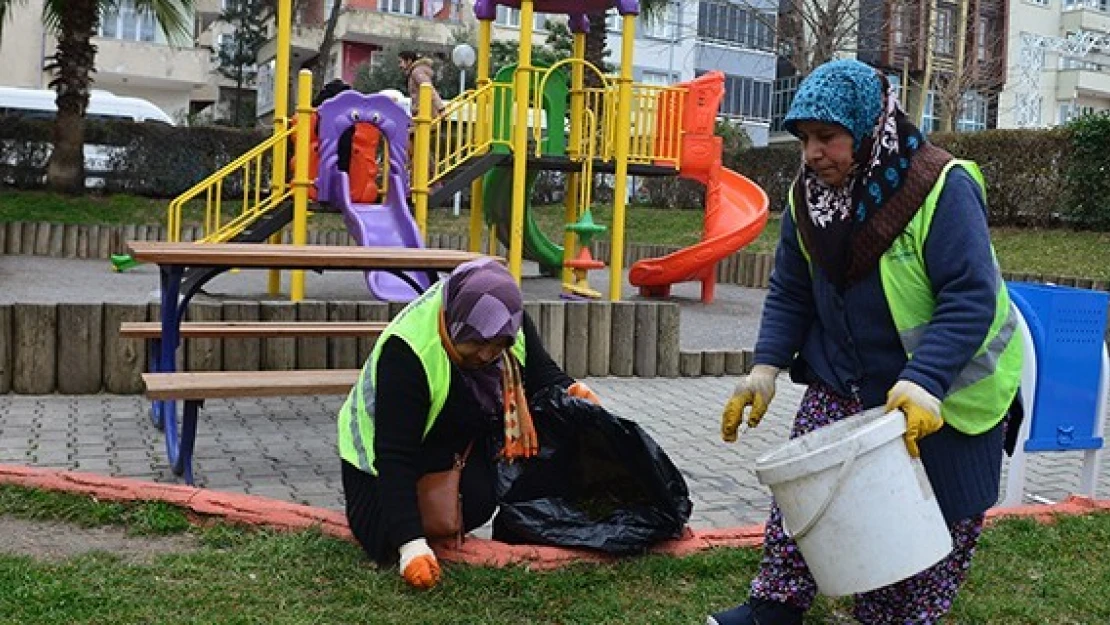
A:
(402, 399)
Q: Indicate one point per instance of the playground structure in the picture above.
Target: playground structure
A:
(496, 139)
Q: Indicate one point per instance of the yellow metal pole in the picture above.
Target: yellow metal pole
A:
(481, 133)
(522, 86)
(485, 36)
(620, 177)
(281, 113)
(577, 96)
(301, 181)
(574, 150)
(421, 155)
(477, 223)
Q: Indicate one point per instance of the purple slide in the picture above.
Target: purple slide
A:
(381, 225)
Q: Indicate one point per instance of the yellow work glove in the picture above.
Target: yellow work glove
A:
(755, 390)
(581, 391)
(418, 564)
(922, 412)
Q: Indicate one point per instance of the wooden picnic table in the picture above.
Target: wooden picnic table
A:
(185, 268)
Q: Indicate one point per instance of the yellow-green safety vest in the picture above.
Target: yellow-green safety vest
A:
(418, 326)
(981, 394)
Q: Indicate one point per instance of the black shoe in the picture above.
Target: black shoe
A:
(740, 615)
(758, 612)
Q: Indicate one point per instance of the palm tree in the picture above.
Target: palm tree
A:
(74, 23)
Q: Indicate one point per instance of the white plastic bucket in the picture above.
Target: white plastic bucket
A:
(859, 507)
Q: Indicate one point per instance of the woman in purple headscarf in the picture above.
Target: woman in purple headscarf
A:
(448, 376)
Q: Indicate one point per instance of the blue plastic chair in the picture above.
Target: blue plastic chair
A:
(1065, 379)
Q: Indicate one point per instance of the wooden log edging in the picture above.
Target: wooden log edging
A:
(75, 348)
(744, 268)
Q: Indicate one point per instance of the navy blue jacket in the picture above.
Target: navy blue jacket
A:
(848, 340)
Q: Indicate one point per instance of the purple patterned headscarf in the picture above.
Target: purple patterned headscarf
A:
(482, 302)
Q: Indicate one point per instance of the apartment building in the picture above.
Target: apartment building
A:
(363, 28)
(692, 37)
(956, 48)
(1064, 71)
(945, 58)
(133, 57)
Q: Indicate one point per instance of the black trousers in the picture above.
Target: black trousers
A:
(366, 509)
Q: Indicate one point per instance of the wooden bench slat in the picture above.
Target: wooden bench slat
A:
(254, 329)
(285, 256)
(232, 384)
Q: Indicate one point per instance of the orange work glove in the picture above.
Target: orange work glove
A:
(581, 391)
(922, 412)
(418, 564)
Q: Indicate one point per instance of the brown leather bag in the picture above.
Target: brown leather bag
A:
(440, 502)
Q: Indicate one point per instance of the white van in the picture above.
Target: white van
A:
(103, 105)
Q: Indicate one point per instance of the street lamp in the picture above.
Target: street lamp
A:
(463, 57)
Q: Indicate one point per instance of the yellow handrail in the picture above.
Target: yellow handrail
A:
(461, 132)
(537, 104)
(249, 165)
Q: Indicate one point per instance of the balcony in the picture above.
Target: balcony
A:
(397, 21)
(152, 64)
(1089, 18)
(1079, 82)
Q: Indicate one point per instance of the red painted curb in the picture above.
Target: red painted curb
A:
(283, 515)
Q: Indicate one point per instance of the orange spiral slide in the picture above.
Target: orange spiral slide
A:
(735, 207)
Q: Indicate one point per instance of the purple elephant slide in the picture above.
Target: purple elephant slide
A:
(390, 224)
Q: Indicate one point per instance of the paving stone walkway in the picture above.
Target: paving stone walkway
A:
(285, 448)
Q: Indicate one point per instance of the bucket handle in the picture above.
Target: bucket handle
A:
(840, 475)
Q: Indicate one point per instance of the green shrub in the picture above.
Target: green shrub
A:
(1022, 169)
(148, 159)
(1087, 175)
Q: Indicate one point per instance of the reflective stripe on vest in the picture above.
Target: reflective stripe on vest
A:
(984, 389)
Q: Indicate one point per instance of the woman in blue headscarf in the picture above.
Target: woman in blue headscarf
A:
(885, 292)
(448, 377)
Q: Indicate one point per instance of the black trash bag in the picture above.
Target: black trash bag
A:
(599, 482)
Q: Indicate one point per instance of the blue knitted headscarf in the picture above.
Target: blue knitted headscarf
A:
(859, 99)
(848, 93)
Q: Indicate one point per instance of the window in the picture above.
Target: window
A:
(943, 36)
(401, 7)
(899, 23)
(612, 21)
(660, 79)
(664, 26)
(973, 112)
(124, 21)
(726, 23)
(508, 16)
(929, 119)
(785, 88)
(982, 46)
(746, 98)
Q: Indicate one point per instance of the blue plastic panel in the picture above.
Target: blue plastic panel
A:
(1067, 325)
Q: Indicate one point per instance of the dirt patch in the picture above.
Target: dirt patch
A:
(52, 541)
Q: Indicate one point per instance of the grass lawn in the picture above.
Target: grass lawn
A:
(1024, 573)
(1049, 252)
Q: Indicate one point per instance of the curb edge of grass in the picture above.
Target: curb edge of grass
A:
(275, 514)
